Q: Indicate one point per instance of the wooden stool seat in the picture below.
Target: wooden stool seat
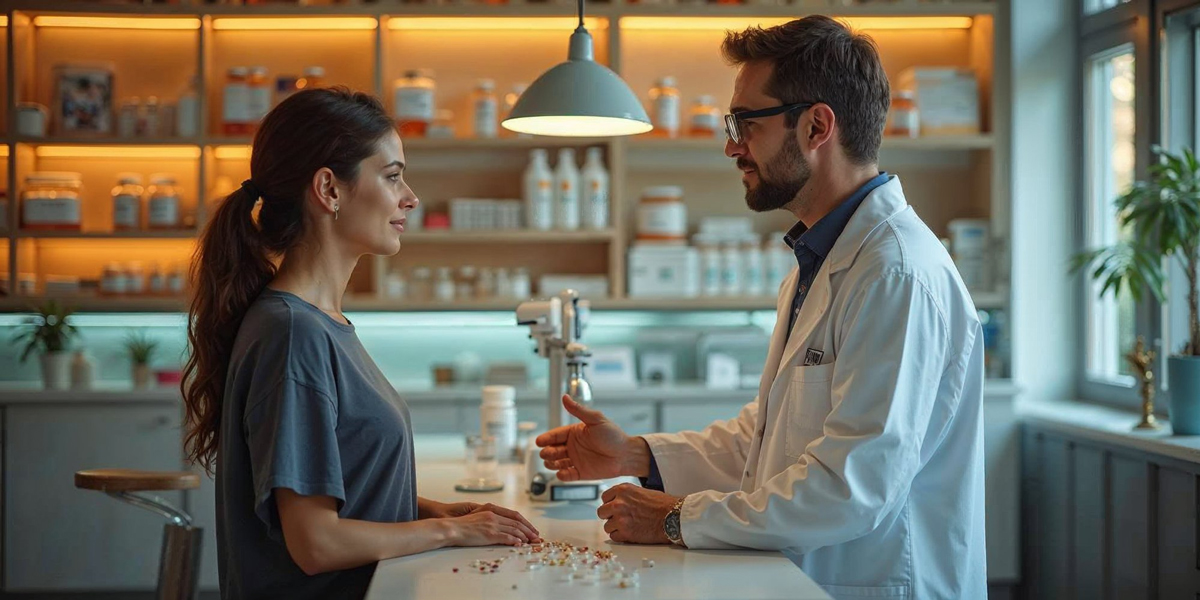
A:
(129, 480)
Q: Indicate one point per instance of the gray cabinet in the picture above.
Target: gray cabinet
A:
(1105, 521)
(57, 537)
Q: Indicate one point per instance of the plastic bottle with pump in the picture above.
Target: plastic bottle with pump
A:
(595, 191)
(566, 191)
(539, 192)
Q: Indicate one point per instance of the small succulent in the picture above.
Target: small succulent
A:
(47, 330)
(141, 347)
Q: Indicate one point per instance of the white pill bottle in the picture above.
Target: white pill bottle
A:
(498, 417)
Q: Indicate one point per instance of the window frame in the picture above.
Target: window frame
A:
(1142, 23)
(1105, 33)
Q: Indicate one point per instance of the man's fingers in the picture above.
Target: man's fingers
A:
(554, 437)
(568, 474)
(554, 453)
(605, 511)
(583, 413)
(610, 527)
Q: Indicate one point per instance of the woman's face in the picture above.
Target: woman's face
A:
(374, 215)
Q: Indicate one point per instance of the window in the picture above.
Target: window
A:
(1095, 6)
(1111, 157)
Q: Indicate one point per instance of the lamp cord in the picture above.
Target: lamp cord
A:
(581, 27)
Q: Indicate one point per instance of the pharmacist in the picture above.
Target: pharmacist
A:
(861, 458)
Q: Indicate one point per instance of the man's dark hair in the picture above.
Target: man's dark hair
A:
(818, 59)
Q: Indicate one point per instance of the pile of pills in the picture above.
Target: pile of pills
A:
(581, 565)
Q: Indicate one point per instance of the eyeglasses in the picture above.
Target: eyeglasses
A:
(733, 122)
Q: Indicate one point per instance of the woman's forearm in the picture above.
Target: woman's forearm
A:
(348, 543)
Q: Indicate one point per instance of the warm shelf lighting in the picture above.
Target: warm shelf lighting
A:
(181, 23)
(738, 23)
(4, 151)
(492, 23)
(164, 152)
(295, 23)
(231, 153)
(3, 20)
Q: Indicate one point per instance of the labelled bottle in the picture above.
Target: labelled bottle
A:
(235, 109)
(566, 191)
(705, 118)
(127, 202)
(539, 192)
(259, 97)
(486, 109)
(414, 102)
(595, 191)
(664, 100)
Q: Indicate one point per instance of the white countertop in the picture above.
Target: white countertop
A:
(678, 573)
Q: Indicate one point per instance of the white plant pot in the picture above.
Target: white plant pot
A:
(142, 376)
(56, 370)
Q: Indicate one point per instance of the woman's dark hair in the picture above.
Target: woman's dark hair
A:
(238, 254)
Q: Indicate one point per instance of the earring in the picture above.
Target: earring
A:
(336, 207)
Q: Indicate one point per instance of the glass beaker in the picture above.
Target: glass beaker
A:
(482, 463)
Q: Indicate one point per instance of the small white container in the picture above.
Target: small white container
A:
(731, 268)
(709, 248)
(443, 289)
(498, 417)
(566, 191)
(113, 281)
(176, 282)
(753, 278)
(164, 209)
(661, 214)
(522, 286)
(32, 119)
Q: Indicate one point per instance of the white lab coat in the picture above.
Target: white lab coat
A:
(861, 459)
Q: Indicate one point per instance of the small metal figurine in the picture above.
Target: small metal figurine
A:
(1141, 360)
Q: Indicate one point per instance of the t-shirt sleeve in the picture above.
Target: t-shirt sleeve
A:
(291, 435)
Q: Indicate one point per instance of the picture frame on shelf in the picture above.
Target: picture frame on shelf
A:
(83, 99)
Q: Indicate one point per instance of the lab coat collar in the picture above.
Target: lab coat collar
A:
(881, 204)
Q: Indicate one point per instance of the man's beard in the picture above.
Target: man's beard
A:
(789, 173)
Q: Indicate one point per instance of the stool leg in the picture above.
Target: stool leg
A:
(179, 565)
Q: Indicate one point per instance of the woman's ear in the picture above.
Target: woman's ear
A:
(325, 190)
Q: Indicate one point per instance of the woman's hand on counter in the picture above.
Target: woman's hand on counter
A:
(432, 509)
(490, 525)
(595, 448)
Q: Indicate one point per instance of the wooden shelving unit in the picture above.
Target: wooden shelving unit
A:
(945, 177)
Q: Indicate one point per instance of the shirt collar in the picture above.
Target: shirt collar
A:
(824, 233)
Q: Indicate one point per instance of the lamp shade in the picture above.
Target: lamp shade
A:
(579, 98)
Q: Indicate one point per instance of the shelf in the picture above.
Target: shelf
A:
(931, 143)
(111, 235)
(415, 143)
(105, 141)
(97, 303)
(516, 9)
(516, 237)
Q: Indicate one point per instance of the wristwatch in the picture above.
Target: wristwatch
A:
(671, 524)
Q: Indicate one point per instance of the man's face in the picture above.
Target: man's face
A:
(773, 167)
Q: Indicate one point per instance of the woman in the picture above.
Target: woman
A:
(312, 447)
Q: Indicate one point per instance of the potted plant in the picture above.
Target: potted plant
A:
(141, 351)
(1161, 217)
(49, 332)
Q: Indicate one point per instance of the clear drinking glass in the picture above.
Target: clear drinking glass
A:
(482, 463)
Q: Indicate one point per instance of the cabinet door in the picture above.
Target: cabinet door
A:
(57, 537)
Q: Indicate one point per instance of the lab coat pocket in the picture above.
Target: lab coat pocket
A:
(808, 404)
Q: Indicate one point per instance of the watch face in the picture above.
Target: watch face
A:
(672, 526)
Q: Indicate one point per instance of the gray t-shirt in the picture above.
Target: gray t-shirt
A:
(306, 409)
